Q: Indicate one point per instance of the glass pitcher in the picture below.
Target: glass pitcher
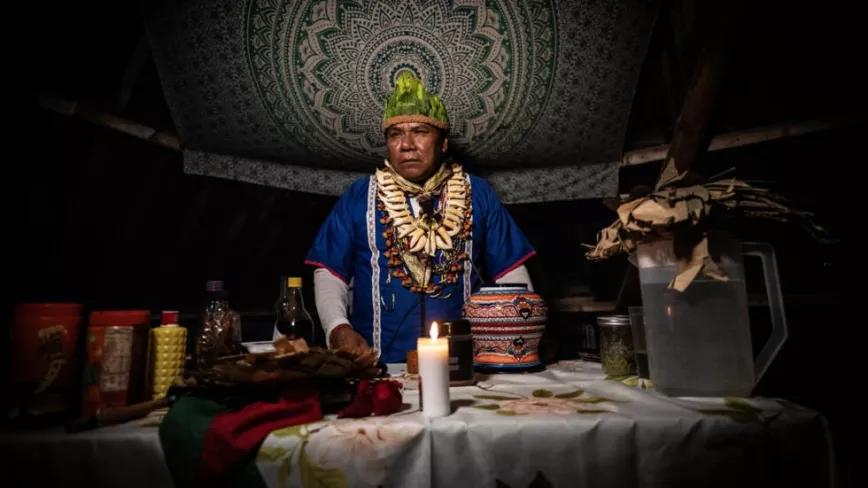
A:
(699, 341)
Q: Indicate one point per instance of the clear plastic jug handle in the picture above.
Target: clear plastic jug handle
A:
(780, 332)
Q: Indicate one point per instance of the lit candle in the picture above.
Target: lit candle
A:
(434, 373)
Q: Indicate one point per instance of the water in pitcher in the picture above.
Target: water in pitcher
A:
(699, 338)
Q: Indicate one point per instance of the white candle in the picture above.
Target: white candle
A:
(434, 374)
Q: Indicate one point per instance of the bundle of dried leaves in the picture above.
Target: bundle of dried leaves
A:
(682, 212)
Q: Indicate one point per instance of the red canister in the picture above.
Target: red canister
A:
(116, 346)
(44, 355)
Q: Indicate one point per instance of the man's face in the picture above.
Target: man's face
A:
(415, 149)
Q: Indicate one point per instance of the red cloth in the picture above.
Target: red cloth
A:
(233, 436)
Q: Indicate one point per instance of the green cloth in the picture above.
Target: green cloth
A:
(182, 434)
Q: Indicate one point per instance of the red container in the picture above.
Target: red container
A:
(44, 355)
(116, 348)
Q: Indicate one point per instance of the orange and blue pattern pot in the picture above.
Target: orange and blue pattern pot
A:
(507, 323)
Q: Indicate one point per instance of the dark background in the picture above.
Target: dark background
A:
(100, 218)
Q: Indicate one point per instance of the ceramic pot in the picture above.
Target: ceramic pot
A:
(507, 323)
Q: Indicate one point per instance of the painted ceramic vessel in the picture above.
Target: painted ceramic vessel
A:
(507, 323)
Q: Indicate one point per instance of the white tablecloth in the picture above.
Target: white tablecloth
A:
(566, 426)
(127, 455)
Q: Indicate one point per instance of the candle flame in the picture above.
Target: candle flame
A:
(434, 330)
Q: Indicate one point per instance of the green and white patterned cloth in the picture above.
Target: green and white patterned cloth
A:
(291, 93)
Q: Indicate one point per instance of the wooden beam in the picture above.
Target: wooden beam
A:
(690, 128)
(135, 66)
(741, 138)
(689, 135)
(583, 304)
(71, 108)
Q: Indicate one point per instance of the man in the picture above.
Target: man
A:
(419, 229)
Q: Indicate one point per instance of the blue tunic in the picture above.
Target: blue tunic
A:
(351, 246)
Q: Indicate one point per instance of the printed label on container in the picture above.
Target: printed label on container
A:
(117, 358)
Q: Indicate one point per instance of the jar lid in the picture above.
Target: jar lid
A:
(613, 320)
(214, 285)
(49, 309)
(455, 327)
(104, 318)
(293, 282)
(169, 317)
(502, 288)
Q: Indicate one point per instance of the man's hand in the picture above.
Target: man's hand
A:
(345, 337)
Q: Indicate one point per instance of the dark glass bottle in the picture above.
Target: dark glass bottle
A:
(292, 319)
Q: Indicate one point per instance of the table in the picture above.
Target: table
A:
(566, 426)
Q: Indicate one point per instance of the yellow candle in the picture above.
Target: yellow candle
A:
(434, 373)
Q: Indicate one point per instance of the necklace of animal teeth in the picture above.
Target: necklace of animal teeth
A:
(426, 234)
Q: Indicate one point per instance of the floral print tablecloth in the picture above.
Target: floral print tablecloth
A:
(566, 426)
